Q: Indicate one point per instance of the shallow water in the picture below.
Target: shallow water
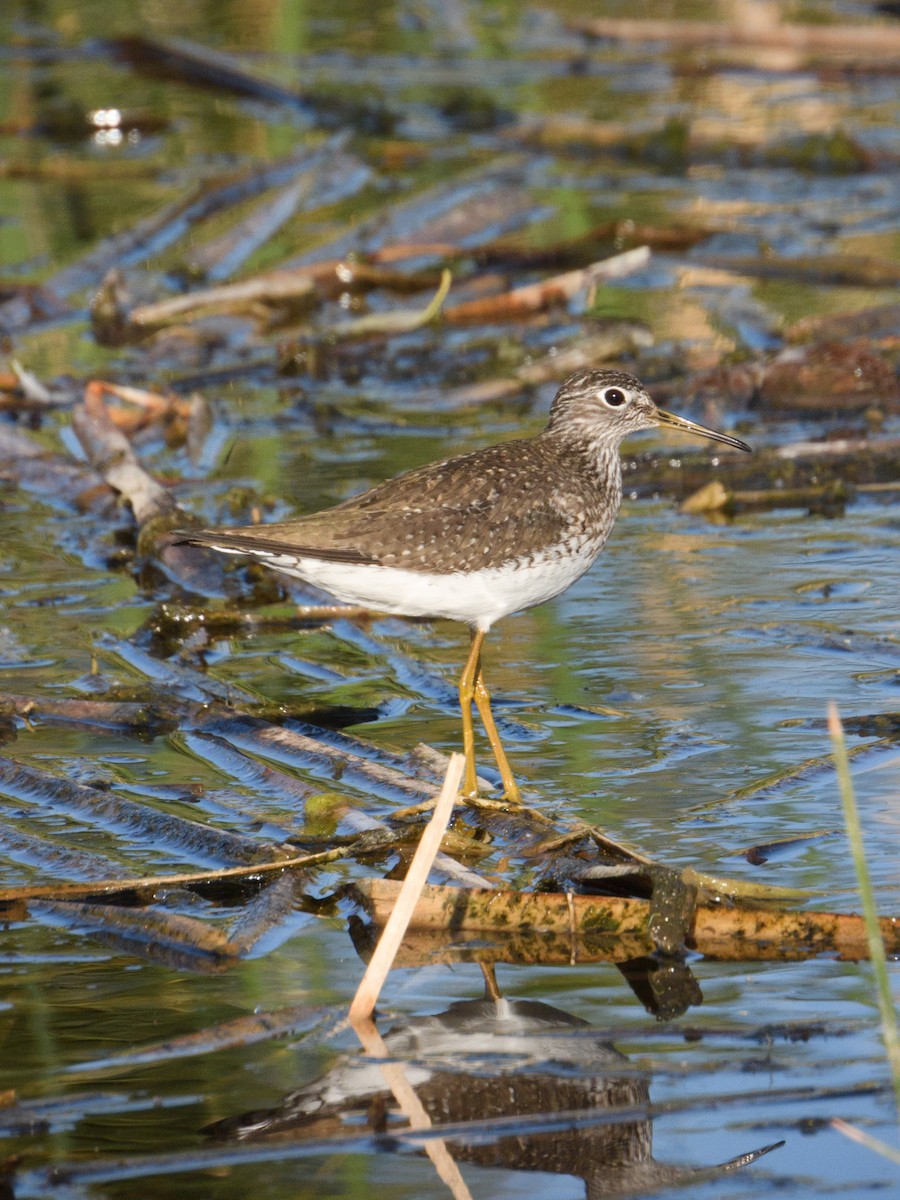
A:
(666, 697)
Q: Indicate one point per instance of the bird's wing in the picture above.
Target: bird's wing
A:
(466, 509)
(264, 541)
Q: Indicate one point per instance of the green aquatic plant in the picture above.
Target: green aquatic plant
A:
(877, 954)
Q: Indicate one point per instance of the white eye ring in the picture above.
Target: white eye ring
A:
(614, 397)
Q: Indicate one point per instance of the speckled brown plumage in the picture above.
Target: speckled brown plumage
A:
(502, 504)
(480, 509)
(478, 536)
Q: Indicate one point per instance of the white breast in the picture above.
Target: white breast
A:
(479, 598)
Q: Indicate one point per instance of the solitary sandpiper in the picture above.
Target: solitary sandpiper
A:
(477, 536)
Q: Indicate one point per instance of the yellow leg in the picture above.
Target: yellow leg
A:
(483, 702)
(472, 687)
(466, 696)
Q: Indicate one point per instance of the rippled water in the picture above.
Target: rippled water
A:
(667, 697)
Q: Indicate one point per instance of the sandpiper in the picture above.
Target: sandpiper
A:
(476, 536)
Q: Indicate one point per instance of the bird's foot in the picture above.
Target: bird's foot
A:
(512, 795)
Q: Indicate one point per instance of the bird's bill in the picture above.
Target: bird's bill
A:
(671, 421)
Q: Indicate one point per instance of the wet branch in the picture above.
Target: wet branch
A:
(616, 928)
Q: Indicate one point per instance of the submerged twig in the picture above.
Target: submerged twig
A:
(777, 780)
(839, 38)
(156, 512)
(166, 936)
(548, 293)
(41, 788)
(202, 66)
(144, 887)
(275, 288)
(221, 258)
(154, 233)
(241, 1031)
(111, 454)
(612, 341)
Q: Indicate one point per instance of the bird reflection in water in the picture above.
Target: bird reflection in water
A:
(512, 1084)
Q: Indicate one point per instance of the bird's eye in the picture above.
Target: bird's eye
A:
(614, 397)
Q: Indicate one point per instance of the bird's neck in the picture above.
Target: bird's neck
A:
(598, 460)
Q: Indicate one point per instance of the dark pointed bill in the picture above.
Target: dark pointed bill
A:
(671, 421)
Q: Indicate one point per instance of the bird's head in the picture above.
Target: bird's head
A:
(605, 406)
